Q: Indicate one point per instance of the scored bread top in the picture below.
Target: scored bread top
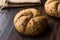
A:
(30, 22)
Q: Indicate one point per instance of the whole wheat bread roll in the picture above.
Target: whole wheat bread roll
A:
(30, 22)
(52, 8)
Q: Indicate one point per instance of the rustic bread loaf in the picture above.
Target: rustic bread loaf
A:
(52, 8)
(30, 22)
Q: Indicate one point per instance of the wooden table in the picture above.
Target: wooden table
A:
(8, 32)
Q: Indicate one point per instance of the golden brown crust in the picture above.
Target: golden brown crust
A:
(59, 9)
(51, 8)
(30, 22)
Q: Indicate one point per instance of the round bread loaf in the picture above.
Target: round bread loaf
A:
(52, 8)
(30, 22)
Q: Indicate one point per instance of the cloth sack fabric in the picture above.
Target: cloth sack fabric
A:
(16, 3)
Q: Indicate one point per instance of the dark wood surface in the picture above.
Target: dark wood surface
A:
(8, 32)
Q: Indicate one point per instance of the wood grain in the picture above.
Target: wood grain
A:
(52, 32)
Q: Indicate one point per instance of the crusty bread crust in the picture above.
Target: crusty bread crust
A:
(30, 22)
